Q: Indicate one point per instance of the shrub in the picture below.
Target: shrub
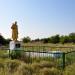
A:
(16, 54)
(20, 55)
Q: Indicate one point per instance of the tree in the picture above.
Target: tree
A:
(46, 40)
(37, 40)
(26, 39)
(55, 39)
(64, 39)
(72, 37)
(2, 40)
(8, 40)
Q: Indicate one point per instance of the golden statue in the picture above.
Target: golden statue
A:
(14, 28)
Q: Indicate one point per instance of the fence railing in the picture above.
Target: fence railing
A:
(47, 48)
(60, 58)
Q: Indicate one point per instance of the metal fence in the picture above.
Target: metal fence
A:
(69, 57)
(30, 55)
(62, 56)
(61, 59)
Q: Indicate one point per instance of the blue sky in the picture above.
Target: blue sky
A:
(37, 18)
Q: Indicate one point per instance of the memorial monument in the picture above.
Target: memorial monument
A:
(14, 44)
(14, 28)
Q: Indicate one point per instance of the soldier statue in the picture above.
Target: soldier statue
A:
(14, 28)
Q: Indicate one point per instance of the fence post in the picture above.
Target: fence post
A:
(9, 54)
(29, 60)
(63, 58)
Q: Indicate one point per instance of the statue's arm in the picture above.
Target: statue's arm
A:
(13, 27)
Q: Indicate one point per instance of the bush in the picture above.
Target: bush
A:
(20, 55)
(16, 54)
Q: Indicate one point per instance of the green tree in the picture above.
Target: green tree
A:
(37, 40)
(64, 39)
(45, 40)
(72, 37)
(8, 40)
(55, 39)
(26, 39)
(2, 40)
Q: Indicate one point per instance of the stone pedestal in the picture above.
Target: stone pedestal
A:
(14, 45)
(15, 50)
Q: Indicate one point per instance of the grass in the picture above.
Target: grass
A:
(16, 67)
(48, 47)
(69, 70)
(4, 54)
(38, 66)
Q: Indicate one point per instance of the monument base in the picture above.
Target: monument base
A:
(15, 50)
(17, 45)
(14, 45)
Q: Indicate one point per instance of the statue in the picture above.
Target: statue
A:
(14, 28)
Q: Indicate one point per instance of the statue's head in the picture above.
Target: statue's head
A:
(15, 22)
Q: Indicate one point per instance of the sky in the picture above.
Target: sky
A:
(37, 18)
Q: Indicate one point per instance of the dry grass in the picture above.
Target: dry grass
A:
(16, 67)
(48, 46)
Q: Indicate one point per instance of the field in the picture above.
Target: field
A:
(48, 47)
(21, 64)
(16, 67)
